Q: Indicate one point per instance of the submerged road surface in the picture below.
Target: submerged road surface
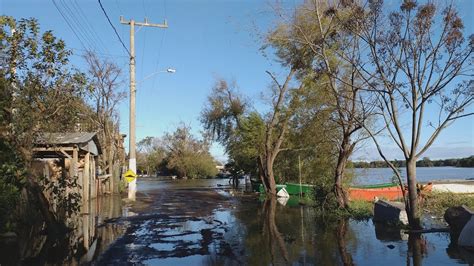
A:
(171, 224)
(205, 222)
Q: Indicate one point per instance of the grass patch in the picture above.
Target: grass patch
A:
(361, 210)
(437, 203)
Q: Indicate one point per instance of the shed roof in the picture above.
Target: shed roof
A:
(85, 140)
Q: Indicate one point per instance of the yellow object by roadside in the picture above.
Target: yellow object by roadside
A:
(129, 176)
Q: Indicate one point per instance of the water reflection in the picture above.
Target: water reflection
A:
(201, 223)
(86, 237)
(271, 232)
(388, 234)
(341, 232)
(417, 248)
(279, 235)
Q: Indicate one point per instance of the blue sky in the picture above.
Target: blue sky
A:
(205, 39)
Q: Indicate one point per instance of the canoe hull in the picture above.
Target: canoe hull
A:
(368, 194)
(296, 189)
(261, 189)
(292, 188)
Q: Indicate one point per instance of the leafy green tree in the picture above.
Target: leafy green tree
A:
(318, 47)
(246, 144)
(226, 110)
(150, 156)
(187, 156)
(40, 93)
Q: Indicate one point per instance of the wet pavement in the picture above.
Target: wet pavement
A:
(175, 225)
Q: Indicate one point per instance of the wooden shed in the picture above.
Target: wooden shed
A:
(71, 155)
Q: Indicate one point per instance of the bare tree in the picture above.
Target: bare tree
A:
(419, 65)
(106, 95)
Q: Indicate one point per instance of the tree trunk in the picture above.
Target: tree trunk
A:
(271, 189)
(412, 204)
(341, 195)
(261, 173)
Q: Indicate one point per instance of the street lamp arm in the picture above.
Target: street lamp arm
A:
(169, 70)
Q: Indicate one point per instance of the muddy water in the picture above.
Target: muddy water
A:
(205, 222)
(87, 236)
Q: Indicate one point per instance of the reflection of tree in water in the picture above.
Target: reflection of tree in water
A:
(341, 232)
(263, 243)
(271, 232)
(290, 235)
(417, 248)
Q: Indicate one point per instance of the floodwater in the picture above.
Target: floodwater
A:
(365, 176)
(90, 235)
(205, 222)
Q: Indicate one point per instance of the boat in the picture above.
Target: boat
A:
(388, 191)
(261, 189)
(297, 189)
(291, 188)
(453, 186)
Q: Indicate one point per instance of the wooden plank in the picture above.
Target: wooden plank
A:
(65, 153)
(58, 149)
(86, 180)
(73, 167)
(93, 192)
(104, 176)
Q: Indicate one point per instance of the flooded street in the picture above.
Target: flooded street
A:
(204, 222)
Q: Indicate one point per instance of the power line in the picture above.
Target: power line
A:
(161, 45)
(98, 53)
(89, 27)
(70, 26)
(115, 30)
(79, 26)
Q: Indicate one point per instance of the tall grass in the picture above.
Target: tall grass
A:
(437, 203)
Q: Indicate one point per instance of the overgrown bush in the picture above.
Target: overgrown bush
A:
(11, 180)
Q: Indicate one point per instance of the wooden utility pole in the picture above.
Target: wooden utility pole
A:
(132, 165)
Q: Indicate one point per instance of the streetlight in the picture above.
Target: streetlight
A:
(132, 186)
(168, 70)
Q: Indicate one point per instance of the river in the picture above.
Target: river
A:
(205, 222)
(365, 176)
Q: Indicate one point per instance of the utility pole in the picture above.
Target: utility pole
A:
(132, 163)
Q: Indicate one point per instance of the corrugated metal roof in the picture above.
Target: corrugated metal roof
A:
(64, 138)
